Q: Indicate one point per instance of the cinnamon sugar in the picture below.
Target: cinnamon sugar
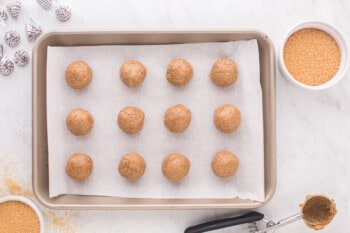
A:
(17, 217)
(11, 185)
(61, 223)
(311, 56)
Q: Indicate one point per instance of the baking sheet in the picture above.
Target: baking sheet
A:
(106, 144)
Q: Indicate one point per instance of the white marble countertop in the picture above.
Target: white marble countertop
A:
(313, 128)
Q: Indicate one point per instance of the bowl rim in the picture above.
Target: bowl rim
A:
(336, 35)
(29, 203)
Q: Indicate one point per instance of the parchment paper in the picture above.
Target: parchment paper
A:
(106, 143)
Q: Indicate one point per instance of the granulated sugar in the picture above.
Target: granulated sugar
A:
(17, 217)
(311, 56)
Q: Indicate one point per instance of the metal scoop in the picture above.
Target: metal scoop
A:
(251, 217)
(259, 224)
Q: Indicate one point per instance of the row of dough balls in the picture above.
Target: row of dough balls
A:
(177, 119)
(132, 166)
(179, 73)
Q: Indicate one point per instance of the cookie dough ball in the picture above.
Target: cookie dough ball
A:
(78, 75)
(175, 167)
(179, 72)
(132, 166)
(224, 72)
(79, 166)
(177, 118)
(130, 119)
(318, 211)
(227, 118)
(224, 164)
(79, 122)
(132, 73)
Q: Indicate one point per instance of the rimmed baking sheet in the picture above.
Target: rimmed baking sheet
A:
(40, 156)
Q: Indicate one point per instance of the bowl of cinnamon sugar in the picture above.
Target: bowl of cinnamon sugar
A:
(19, 214)
(313, 56)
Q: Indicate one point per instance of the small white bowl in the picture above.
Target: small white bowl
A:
(31, 204)
(343, 53)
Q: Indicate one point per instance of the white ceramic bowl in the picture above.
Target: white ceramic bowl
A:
(31, 204)
(343, 51)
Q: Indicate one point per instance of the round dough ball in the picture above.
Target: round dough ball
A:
(132, 166)
(224, 164)
(179, 72)
(130, 119)
(79, 166)
(78, 75)
(132, 73)
(79, 122)
(318, 211)
(177, 118)
(224, 72)
(175, 167)
(227, 118)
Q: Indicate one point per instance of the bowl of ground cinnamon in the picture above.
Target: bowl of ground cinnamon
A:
(314, 56)
(19, 214)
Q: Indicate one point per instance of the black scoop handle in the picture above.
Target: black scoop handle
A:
(227, 222)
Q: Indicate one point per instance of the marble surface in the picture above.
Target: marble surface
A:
(313, 128)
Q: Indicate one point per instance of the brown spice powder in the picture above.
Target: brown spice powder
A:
(311, 56)
(17, 217)
(12, 186)
(61, 223)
